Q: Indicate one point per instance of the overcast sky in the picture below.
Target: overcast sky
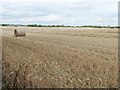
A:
(67, 12)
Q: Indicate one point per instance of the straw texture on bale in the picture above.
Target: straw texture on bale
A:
(19, 33)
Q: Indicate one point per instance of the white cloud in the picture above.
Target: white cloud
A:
(41, 1)
(70, 12)
(58, 1)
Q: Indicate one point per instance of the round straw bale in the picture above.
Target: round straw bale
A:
(19, 33)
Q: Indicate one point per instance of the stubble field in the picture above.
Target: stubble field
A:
(60, 57)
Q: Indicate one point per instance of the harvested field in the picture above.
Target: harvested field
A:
(0, 58)
(60, 57)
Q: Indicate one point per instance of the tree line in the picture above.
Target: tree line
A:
(37, 25)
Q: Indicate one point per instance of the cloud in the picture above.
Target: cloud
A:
(74, 12)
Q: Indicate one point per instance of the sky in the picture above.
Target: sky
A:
(59, 12)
